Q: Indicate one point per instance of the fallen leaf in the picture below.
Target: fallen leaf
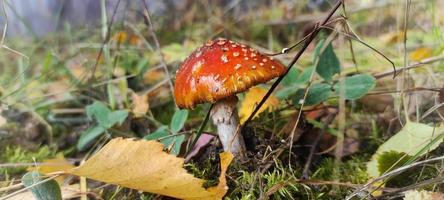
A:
(392, 37)
(56, 164)
(252, 98)
(120, 37)
(202, 142)
(422, 195)
(412, 138)
(421, 54)
(143, 165)
(153, 76)
(140, 105)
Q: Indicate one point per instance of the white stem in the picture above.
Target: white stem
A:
(225, 117)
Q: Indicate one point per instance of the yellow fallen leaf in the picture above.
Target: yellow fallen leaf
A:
(392, 37)
(54, 165)
(143, 165)
(140, 105)
(421, 54)
(252, 98)
(120, 37)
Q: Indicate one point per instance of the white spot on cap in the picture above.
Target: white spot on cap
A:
(273, 67)
(236, 54)
(197, 66)
(271, 58)
(243, 46)
(221, 42)
(244, 50)
(209, 43)
(264, 60)
(231, 42)
(253, 67)
(224, 58)
(246, 58)
(261, 64)
(237, 66)
(253, 55)
(234, 45)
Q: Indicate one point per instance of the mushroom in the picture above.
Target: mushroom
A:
(215, 73)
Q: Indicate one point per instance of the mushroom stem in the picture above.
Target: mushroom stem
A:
(225, 117)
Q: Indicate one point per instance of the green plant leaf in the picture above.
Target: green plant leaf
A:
(159, 133)
(318, 49)
(356, 86)
(88, 136)
(162, 135)
(411, 140)
(104, 116)
(305, 76)
(316, 94)
(48, 190)
(179, 118)
(291, 77)
(328, 64)
(176, 141)
(98, 111)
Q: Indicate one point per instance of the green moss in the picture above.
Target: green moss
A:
(18, 155)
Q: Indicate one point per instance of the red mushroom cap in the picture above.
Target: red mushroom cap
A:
(219, 69)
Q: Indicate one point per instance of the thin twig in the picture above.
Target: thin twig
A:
(411, 66)
(105, 41)
(311, 37)
(328, 120)
(147, 17)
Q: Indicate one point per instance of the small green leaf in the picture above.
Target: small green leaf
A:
(179, 118)
(88, 136)
(176, 141)
(305, 76)
(291, 77)
(98, 111)
(104, 116)
(316, 94)
(166, 139)
(295, 82)
(356, 86)
(117, 117)
(159, 133)
(328, 64)
(318, 49)
(48, 190)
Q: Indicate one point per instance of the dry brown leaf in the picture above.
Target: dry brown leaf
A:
(143, 165)
(153, 76)
(252, 98)
(54, 165)
(421, 54)
(140, 105)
